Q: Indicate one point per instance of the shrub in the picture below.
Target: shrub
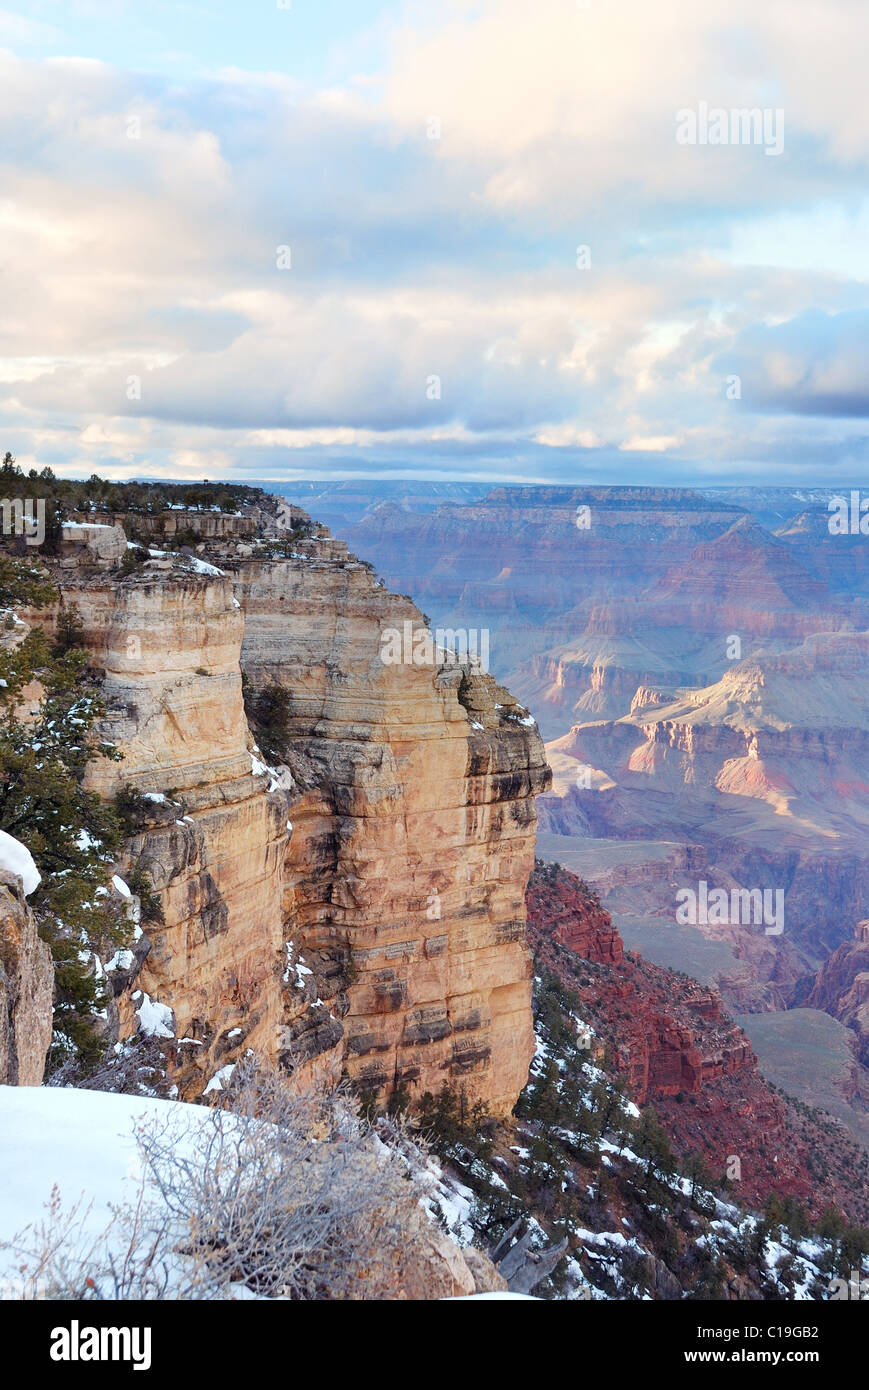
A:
(285, 1192)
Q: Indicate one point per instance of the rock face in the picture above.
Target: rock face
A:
(767, 770)
(212, 838)
(670, 1038)
(360, 907)
(592, 592)
(841, 988)
(413, 830)
(93, 543)
(668, 1034)
(572, 915)
(26, 987)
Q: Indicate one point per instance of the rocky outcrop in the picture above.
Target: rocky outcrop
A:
(670, 1038)
(413, 830)
(841, 988)
(667, 1033)
(26, 987)
(360, 906)
(592, 592)
(177, 522)
(573, 915)
(767, 770)
(209, 833)
(101, 544)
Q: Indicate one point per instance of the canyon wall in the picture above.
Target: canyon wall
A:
(591, 592)
(360, 906)
(666, 1033)
(26, 984)
(413, 829)
(671, 1040)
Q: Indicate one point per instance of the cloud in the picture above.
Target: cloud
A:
(435, 312)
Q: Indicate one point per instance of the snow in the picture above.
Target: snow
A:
(608, 1238)
(495, 1294)
(121, 960)
(219, 1079)
(203, 567)
(121, 886)
(300, 969)
(16, 859)
(82, 1141)
(154, 796)
(155, 1020)
(448, 1196)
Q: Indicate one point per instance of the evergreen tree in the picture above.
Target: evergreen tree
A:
(49, 704)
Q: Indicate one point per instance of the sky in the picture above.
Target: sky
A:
(474, 240)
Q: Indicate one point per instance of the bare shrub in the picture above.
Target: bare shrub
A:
(276, 1191)
(136, 1068)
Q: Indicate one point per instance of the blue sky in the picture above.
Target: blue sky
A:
(452, 241)
(315, 41)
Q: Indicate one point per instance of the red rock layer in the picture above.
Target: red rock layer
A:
(680, 1052)
(841, 988)
(666, 1032)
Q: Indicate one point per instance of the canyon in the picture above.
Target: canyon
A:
(340, 848)
(698, 662)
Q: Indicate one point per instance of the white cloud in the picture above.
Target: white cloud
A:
(455, 258)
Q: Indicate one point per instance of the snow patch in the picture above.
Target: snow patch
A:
(16, 859)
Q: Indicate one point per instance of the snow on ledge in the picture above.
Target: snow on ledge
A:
(16, 858)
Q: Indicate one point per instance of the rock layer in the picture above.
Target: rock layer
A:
(669, 1037)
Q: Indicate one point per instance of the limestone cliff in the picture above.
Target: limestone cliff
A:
(26, 984)
(414, 827)
(360, 906)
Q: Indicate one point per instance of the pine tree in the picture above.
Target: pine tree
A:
(49, 704)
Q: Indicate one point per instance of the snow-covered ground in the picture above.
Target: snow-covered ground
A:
(82, 1142)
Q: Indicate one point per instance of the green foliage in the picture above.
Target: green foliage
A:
(69, 633)
(133, 559)
(24, 582)
(268, 713)
(138, 880)
(651, 1143)
(449, 1120)
(96, 494)
(49, 704)
(131, 808)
